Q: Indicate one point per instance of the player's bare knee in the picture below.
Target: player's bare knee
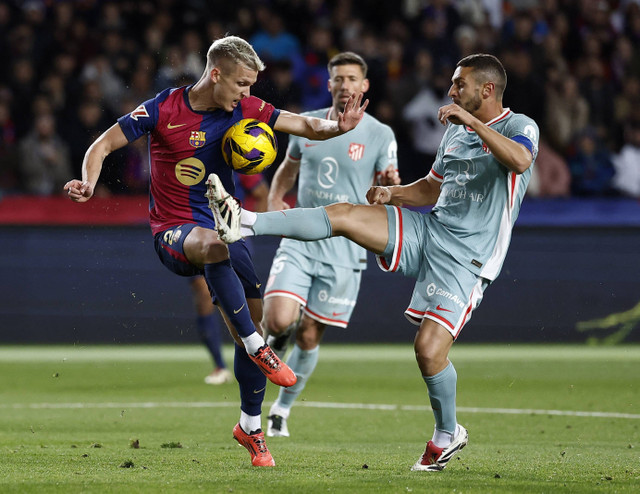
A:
(276, 322)
(309, 334)
(307, 340)
(214, 251)
(430, 359)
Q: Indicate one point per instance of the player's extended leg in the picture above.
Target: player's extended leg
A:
(366, 225)
(432, 345)
(252, 383)
(302, 360)
(203, 249)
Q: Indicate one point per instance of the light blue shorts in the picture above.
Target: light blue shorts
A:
(445, 291)
(327, 292)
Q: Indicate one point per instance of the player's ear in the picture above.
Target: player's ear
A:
(365, 85)
(488, 89)
(214, 74)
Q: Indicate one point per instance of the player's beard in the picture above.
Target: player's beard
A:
(474, 103)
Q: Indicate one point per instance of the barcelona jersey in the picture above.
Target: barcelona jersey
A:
(185, 146)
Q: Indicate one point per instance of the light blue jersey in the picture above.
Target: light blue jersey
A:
(340, 169)
(479, 197)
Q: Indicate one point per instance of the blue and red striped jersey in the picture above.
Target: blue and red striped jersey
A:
(185, 146)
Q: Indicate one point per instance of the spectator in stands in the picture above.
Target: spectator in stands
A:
(599, 93)
(44, 158)
(8, 162)
(273, 42)
(567, 112)
(591, 167)
(627, 162)
(56, 48)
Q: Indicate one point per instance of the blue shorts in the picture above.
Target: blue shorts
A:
(445, 291)
(327, 292)
(169, 246)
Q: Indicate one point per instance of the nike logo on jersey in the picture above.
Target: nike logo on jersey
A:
(258, 285)
(238, 311)
(169, 126)
(336, 314)
(307, 145)
(256, 391)
(451, 149)
(442, 308)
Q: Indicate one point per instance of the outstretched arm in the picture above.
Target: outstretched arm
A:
(423, 192)
(82, 190)
(319, 129)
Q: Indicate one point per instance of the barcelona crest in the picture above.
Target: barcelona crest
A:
(197, 138)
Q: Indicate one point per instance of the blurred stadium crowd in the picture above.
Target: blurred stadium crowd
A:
(72, 67)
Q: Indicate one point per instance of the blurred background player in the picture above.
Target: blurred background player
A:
(322, 278)
(185, 127)
(253, 191)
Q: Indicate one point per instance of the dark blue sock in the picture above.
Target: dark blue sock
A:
(251, 381)
(226, 286)
(209, 331)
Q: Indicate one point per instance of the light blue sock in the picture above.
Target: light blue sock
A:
(303, 363)
(297, 223)
(442, 394)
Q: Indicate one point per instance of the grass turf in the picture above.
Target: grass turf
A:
(69, 417)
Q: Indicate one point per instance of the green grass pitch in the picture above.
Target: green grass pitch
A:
(547, 419)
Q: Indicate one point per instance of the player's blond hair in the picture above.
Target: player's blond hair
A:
(236, 50)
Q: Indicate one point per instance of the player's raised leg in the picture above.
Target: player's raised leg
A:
(366, 225)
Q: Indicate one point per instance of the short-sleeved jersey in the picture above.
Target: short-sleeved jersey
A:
(184, 148)
(338, 170)
(479, 197)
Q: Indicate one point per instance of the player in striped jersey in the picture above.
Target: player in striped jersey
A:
(185, 127)
(477, 184)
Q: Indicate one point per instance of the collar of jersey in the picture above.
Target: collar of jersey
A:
(500, 117)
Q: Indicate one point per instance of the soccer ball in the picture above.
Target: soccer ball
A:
(249, 146)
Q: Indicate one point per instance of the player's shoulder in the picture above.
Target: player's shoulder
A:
(521, 123)
(253, 103)
(519, 119)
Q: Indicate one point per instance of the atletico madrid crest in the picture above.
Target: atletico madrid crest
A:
(356, 151)
(197, 138)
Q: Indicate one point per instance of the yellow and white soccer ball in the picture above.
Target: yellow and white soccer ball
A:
(249, 146)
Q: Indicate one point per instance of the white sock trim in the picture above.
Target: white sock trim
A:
(442, 439)
(253, 342)
(250, 423)
(247, 220)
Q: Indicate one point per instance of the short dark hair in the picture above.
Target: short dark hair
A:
(487, 68)
(348, 58)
